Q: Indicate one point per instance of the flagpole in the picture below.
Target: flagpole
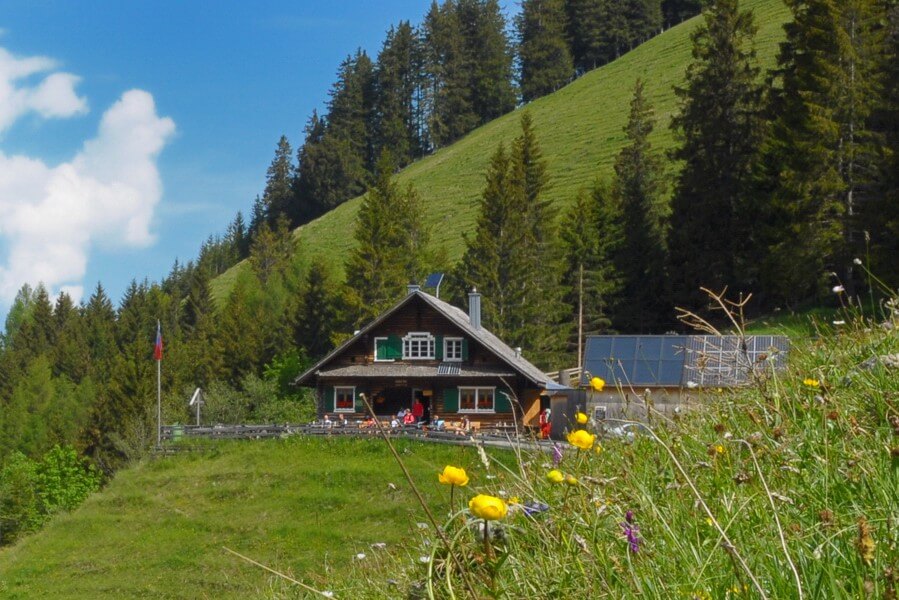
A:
(159, 404)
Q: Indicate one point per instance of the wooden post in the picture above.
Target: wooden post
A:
(580, 321)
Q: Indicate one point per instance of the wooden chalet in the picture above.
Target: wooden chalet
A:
(427, 349)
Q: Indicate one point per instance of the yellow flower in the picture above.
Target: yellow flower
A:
(486, 507)
(597, 448)
(555, 476)
(581, 418)
(709, 521)
(812, 383)
(514, 500)
(719, 449)
(597, 383)
(571, 480)
(581, 439)
(453, 476)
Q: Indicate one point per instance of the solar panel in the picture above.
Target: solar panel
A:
(674, 360)
(448, 368)
(434, 280)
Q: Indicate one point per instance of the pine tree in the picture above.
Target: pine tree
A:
(546, 63)
(390, 240)
(639, 185)
(816, 166)
(272, 250)
(203, 353)
(644, 20)
(675, 11)
(278, 196)
(720, 128)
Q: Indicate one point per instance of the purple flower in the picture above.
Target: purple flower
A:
(533, 508)
(557, 455)
(631, 530)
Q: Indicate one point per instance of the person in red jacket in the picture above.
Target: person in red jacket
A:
(545, 424)
(418, 410)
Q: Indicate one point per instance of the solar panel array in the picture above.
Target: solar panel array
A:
(449, 368)
(678, 360)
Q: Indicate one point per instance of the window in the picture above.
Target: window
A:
(452, 349)
(382, 350)
(418, 345)
(476, 399)
(344, 399)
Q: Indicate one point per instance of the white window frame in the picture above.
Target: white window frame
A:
(477, 392)
(418, 337)
(352, 395)
(385, 338)
(446, 346)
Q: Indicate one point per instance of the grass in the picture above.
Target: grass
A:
(579, 128)
(784, 490)
(302, 506)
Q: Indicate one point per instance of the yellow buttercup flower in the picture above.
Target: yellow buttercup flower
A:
(555, 476)
(489, 508)
(581, 439)
(581, 418)
(571, 480)
(597, 448)
(719, 449)
(812, 383)
(597, 383)
(453, 476)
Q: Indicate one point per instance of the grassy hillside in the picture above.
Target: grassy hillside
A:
(579, 128)
(303, 506)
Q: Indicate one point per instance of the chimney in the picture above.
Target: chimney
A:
(474, 308)
(412, 288)
(517, 351)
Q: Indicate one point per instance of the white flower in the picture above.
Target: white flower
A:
(328, 594)
(424, 559)
(857, 261)
(421, 525)
(502, 493)
(840, 322)
(838, 289)
(360, 556)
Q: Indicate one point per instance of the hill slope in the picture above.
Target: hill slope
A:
(579, 128)
(302, 506)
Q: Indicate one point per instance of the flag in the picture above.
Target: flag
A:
(157, 349)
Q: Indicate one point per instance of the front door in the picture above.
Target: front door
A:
(425, 399)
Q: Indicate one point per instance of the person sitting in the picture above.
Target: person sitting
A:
(394, 423)
(368, 422)
(408, 418)
(438, 423)
(328, 422)
(341, 420)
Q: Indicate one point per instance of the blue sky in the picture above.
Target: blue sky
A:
(217, 84)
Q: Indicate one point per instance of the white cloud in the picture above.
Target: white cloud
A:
(50, 216)
(53, 97)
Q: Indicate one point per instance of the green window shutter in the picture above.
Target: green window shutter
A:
(394, 347)
(502, 403)
(329, 399)
(464, 348)
(438, 347)
(359, 404)
(382, 350)
(451, 400)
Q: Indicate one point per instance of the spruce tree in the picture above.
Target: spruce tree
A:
(278, 196)
(591, 234)
(585, 25)
(545, 59)
(398, 80)
(315, 316)
(488, 58)
(449, 95)
(495, 260)
(675, 11)
(644, 306)
(390, 240)
(543, 324)
(719, 128)
(271, 251)
(817, 164)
